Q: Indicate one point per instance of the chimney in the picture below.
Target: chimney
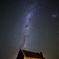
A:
(41, 53)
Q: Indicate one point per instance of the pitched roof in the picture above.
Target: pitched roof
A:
(32, 54)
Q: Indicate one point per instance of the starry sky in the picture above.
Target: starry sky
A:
(32, 25)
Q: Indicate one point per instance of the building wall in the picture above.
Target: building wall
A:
(20, 55)
(32, 58)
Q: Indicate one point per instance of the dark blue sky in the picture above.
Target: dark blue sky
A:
(31, 25)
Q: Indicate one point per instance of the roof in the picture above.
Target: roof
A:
(32, 54)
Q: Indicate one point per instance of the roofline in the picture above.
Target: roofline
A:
(30, 51)
(22, 52)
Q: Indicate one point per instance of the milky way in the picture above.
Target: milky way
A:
(27, 24)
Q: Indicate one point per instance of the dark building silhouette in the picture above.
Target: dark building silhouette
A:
(23, 54)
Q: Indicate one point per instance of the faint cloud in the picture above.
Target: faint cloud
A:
(54, 15)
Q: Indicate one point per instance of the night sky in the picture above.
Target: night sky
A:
(32, 25)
